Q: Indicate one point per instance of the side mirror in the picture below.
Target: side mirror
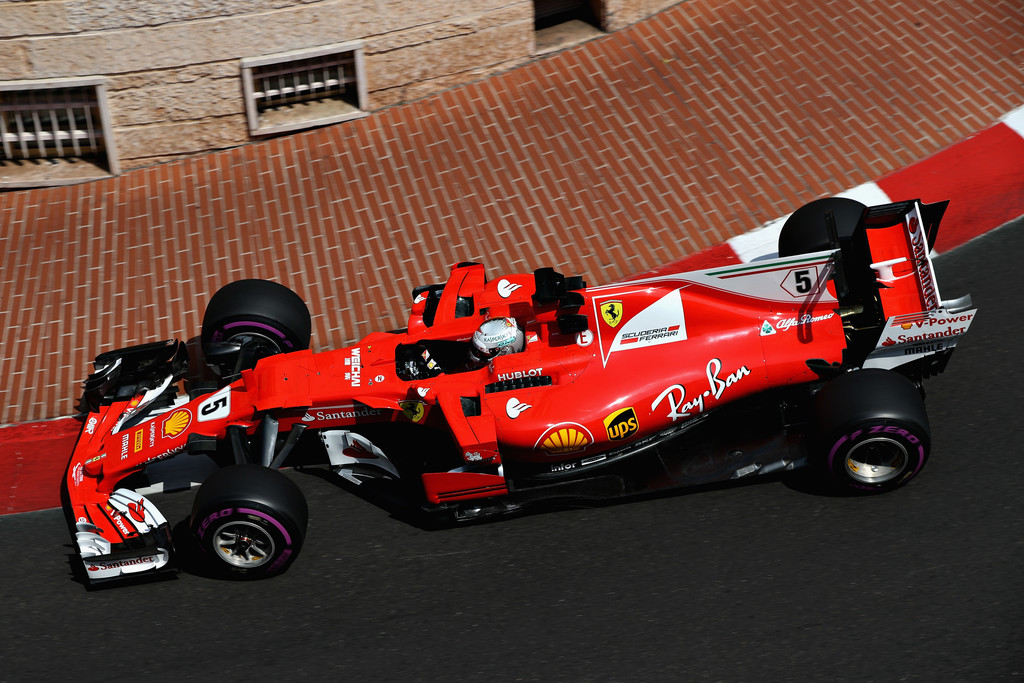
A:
(223, 357)
(218, 352)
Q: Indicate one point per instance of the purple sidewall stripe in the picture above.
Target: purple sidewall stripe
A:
(261, 515)
(273, 330)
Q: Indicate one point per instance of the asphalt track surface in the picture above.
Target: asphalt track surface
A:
(762, 582)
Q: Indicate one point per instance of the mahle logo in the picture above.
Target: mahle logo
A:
(621, 424)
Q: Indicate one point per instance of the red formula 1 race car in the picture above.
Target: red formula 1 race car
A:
(524, 388)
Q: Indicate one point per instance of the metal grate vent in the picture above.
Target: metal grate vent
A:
(303, 89)
(305, 79)
(55, 132)
(48, 123)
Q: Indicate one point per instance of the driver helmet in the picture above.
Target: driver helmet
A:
(495, 337)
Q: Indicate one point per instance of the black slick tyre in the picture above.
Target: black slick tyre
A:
(873, 430)
(265, 315)
(249, 521)
(806, 230)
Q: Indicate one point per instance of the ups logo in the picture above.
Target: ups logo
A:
(621, 424)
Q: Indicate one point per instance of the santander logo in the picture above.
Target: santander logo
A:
(925, 326)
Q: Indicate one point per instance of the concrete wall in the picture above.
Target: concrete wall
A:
(173, 67)
(622, 13)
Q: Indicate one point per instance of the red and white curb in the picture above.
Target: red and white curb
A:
(982, 176)
(763, 242)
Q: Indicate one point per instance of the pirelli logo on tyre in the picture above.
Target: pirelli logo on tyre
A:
(621, 424)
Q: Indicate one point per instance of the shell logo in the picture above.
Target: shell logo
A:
(565, 438)
(176, 423)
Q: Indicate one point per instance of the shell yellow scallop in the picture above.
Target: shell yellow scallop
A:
(565, 440)
(176, 423)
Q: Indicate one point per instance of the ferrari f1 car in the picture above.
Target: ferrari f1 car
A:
(814, 359)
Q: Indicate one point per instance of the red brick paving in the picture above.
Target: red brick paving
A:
(609, 159)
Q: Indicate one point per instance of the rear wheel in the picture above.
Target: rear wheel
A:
(249, 521)
(874, 432)
(806, 230)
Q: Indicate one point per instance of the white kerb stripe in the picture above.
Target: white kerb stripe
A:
(1015, 120)
(763, 242)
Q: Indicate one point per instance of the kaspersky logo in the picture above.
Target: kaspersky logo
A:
(621, 424)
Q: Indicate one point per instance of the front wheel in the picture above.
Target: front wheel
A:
(249, 521)
(874, 432)
(261, 318)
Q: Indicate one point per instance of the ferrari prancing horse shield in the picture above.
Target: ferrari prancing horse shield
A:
(611, 311)
(412, 409)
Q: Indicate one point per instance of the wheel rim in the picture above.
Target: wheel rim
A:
(244, 544)
(260, 345)
(877, 461)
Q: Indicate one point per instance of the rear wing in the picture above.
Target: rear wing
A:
(920, 327)
(900, 238)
